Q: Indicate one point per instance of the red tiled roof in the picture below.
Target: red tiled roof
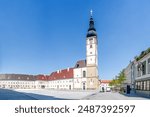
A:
(41, 77)
(61, 74)
(105, 81)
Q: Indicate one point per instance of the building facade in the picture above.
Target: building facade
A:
(104, 85)
(83, 76)
(142, 79)
(61, 79)
(17, 81)
(129, 72)
(138, 74)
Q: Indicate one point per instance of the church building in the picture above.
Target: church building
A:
(85, 72)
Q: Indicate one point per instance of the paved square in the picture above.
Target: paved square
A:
(44, 94)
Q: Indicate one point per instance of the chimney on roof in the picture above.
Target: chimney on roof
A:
(68, 69)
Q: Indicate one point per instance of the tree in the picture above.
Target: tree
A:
(121, 77)
(118, 80)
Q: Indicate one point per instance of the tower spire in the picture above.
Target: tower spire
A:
(91, 30)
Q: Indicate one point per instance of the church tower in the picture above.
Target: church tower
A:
(92, 56)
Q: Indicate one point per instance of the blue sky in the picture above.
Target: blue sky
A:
(41, 36)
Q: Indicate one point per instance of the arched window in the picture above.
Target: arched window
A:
(91, 46)
(84, 73)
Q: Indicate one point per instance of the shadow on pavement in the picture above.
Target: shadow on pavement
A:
(9, 94)
(135, 95)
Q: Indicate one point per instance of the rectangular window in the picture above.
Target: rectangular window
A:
(147, 85)
(138, 71)
(84, 73)
(144, 68)
(136, 85)
(149, 66)
(139, 85)
(144, 85)
(91, 40)
(90, 46)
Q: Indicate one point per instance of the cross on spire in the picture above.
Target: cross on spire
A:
(91, 12)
